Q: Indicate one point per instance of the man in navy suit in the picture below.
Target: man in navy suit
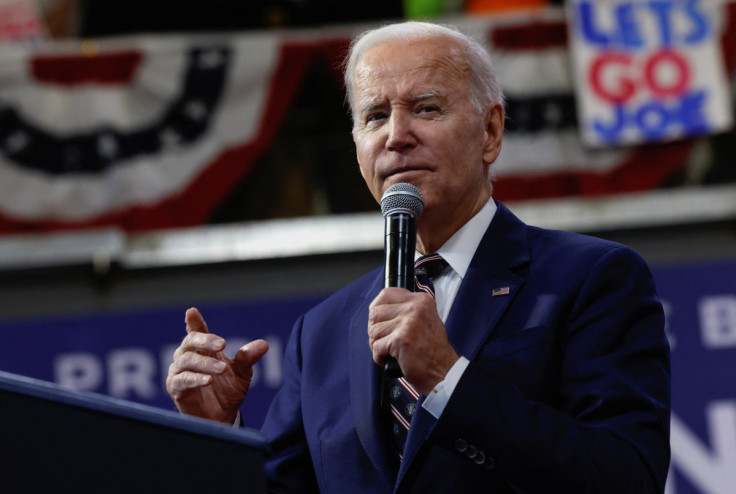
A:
(540, 366)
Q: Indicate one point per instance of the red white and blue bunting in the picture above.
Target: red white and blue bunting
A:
(154, 131)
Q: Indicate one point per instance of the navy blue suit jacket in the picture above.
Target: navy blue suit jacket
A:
(567, 388)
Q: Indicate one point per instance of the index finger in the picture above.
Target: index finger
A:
(195, 321)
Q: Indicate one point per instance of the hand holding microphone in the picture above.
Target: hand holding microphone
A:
(408, 322)
(401, 205)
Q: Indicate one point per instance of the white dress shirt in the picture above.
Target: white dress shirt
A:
(458, 251)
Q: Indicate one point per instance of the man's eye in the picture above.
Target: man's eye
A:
(428, 109)
(376, 116)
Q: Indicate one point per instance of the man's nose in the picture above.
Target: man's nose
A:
(400, 132)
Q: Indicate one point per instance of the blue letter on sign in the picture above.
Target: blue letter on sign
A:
(588, 27)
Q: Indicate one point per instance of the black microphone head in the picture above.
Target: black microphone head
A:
(402, 197)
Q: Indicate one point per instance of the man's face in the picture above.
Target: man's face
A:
(414, 122)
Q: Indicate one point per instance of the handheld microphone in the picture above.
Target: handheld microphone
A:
(401, 205)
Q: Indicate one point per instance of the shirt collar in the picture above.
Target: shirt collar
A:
(459, 249)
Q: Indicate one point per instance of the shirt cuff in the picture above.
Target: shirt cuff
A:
(437, 400)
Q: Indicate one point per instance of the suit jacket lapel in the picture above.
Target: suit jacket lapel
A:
(365, 387)
(476, 310)
(495, 266)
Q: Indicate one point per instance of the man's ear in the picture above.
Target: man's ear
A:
(493, 120)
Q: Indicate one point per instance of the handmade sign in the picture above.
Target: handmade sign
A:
(648, 71)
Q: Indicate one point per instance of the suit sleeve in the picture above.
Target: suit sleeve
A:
(605, 428)
(289, 466)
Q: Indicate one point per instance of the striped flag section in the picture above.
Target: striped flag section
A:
(154, 131)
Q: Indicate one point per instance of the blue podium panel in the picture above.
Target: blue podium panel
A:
(56, 440)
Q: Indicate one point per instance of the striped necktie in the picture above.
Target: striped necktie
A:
(403, 397)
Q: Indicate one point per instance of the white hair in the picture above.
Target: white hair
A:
(484, 86)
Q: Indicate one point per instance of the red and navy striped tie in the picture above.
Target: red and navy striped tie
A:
(402, 395)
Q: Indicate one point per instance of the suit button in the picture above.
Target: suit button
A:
(490, 463)
(461, 445)
(472, 452)
(481, 458)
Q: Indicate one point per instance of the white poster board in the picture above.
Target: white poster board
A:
(648, 71)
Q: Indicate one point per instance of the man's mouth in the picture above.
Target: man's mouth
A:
(401, 171)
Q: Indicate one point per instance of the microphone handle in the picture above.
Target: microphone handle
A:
(400, 245)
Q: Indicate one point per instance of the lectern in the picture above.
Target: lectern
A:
(55, 440)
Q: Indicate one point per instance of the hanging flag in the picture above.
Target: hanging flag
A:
(152, 132)
(139, 133)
